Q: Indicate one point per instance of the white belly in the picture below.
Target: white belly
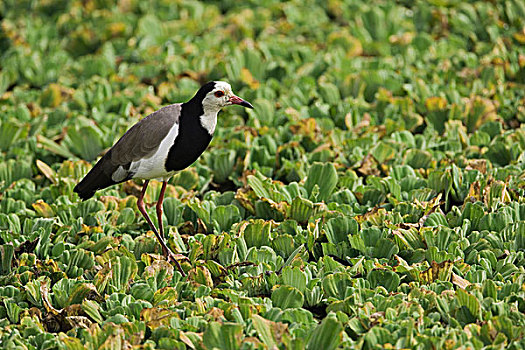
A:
(154, 167)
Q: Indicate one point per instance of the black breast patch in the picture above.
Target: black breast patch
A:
(192, 140)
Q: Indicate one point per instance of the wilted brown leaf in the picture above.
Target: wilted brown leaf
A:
(441, 271)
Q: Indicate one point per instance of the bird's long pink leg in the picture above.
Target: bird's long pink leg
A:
(159, 208)
(167, 252)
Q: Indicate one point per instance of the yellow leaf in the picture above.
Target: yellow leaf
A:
(166, 296)
(201, 275)
(44, 292)
(520, 37)
(477, 164)
(43, 209)
(246, 198)
(155, 317)
(435, 103)
(46, 171)
(186, 340)
(116, 28)
(52, 96)
(441, 271)
(402, 39)
(460, 281)
(345, 40)
(247, 78)
(521, 61)
(163, 89)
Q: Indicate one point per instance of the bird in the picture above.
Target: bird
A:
(166, 141)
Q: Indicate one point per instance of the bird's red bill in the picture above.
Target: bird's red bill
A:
(236, 100)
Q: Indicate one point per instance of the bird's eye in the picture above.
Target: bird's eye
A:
(219, 93)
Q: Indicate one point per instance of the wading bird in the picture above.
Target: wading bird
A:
(159, 145)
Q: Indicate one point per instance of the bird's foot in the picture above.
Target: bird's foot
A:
(170, 257)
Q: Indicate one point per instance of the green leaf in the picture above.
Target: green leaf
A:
(284, 245)
(222, 163)
(257, 233)
(328, 335)
(417, 159)
(258, 187)
(386, 278)
(470, 302)
(225, 216)
(264, 112)
(338, 229)
(13, 310)
(85, 141)
(330, 93)
(80, 292)
(93, 309)
(54, 147)
(12, 170)
(302, 210)
(336, 285)
(296, 253)
(224, 336)
(173, 209)
(9, 133)
(264, 330)
(383, 152)
(286, 297)
(77, 261)
(6, 258)
(324, 176)
(187, 178)
(294, 277)
(498, 153)
(123, 270)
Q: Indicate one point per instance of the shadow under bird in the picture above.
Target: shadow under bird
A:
(159, 145)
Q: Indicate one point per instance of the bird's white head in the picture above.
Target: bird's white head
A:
(215, 95)
(220, 95)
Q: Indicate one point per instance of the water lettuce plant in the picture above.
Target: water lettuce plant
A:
(372, 199)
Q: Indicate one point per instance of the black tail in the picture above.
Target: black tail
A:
(95, 180)
(83, 192)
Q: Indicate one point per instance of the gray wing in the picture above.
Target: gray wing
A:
(140, 141)
(143, 139)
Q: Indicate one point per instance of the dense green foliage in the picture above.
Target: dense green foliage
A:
(373, 198)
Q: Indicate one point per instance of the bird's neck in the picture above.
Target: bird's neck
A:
(209, 120)
(192, 139)
(207, 114)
